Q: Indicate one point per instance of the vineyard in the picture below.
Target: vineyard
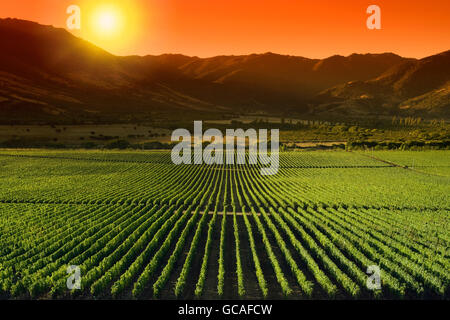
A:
(141, 227)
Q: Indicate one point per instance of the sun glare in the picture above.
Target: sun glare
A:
(108, 21)
(114, 25)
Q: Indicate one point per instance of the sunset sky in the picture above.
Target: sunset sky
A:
(310, 28)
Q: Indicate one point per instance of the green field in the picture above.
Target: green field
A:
(140, 227)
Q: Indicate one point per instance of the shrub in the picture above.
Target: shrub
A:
(88, 145)
(118, 144)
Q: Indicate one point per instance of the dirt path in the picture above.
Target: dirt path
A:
(393, 164)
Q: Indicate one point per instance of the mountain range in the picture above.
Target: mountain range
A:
(49, 75)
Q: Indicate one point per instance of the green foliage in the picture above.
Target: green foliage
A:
(137, 224)
(118, 144)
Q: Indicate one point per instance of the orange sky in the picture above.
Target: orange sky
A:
(313, 28)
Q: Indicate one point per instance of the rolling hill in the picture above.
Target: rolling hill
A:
(415, 88)
(49, 75)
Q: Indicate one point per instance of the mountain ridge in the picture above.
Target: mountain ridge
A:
(47, 74)
(408, 86)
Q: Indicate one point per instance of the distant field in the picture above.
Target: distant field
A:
(79, 134)
(136, 226)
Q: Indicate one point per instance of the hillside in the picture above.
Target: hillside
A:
(415, 87)
(49, 75)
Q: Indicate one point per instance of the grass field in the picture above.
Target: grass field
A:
(140, 227)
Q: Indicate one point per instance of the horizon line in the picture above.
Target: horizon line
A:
(223, 54)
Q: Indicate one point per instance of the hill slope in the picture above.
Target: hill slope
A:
(47, 74)
(416, 87)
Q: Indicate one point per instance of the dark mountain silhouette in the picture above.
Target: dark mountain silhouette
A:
(47, 74)
(416, 87)
(288, 73)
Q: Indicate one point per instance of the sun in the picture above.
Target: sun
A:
(108, 21)
(113, 25)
